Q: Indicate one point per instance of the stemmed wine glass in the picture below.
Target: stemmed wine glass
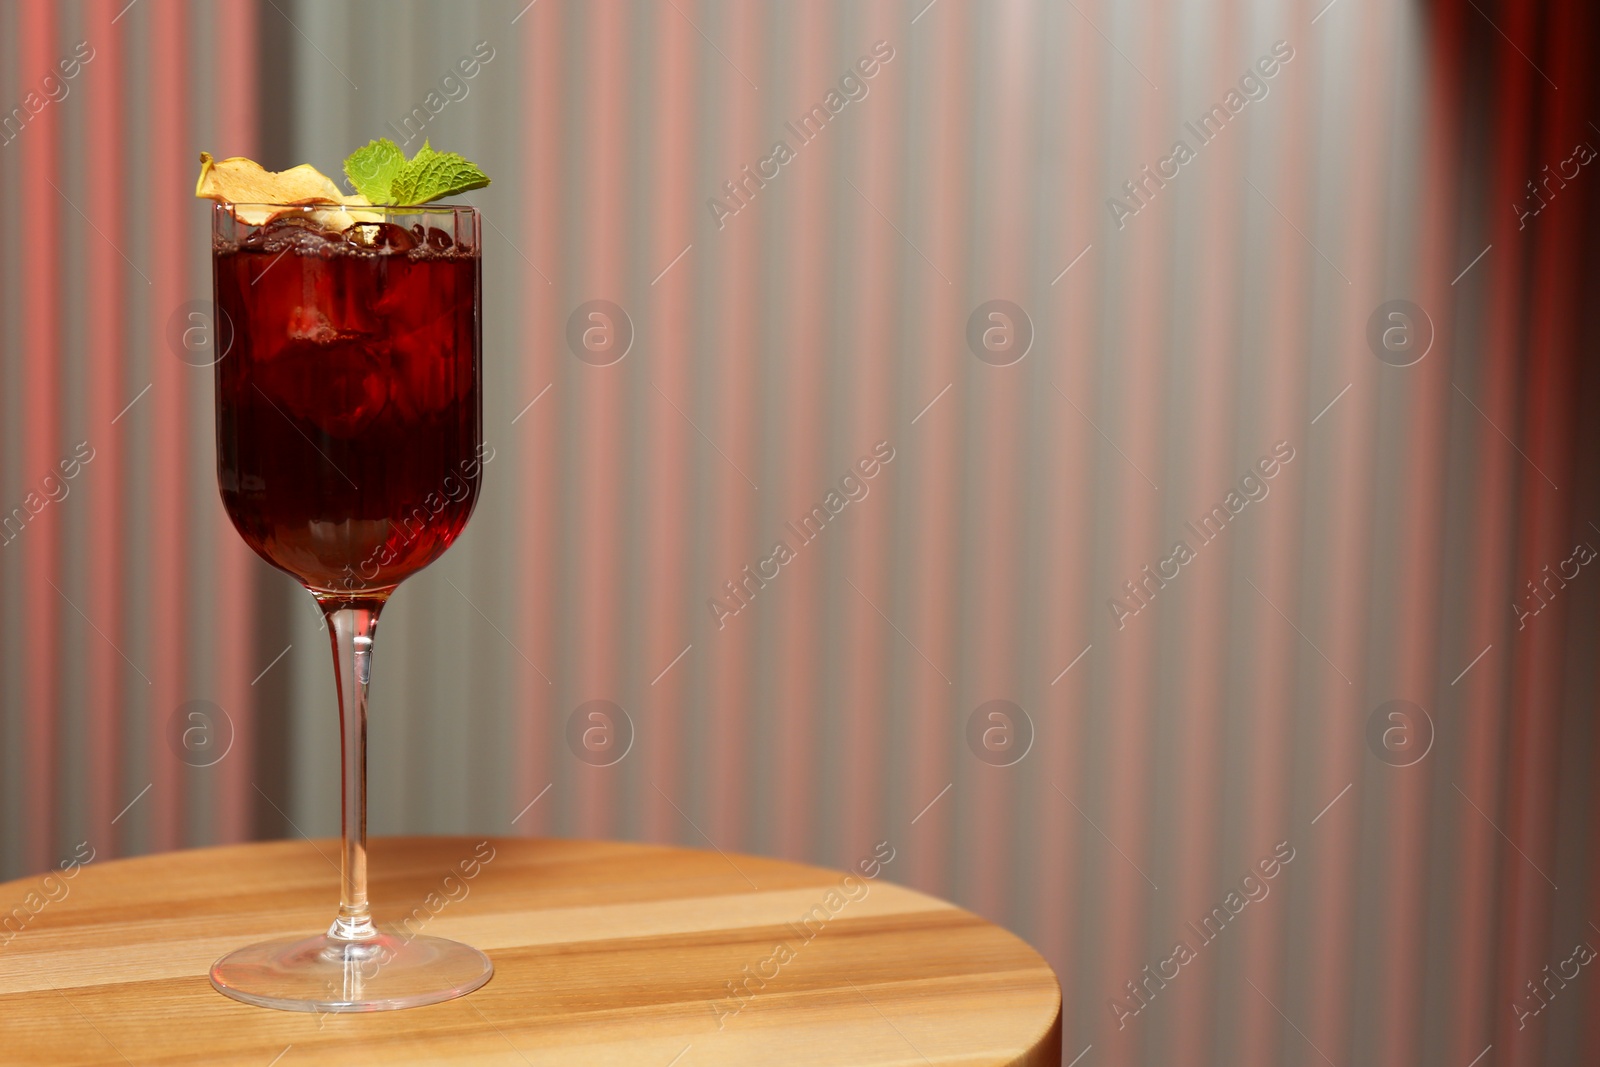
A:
(349, 454)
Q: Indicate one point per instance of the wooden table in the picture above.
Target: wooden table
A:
(604, 953)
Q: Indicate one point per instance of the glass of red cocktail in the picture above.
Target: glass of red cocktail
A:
(349, 454)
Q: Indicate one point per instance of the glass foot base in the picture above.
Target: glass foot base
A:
(322, 975)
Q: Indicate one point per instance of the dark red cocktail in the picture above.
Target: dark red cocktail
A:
(349, 405)
(349, 454)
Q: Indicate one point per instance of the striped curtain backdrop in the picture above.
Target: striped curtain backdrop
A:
(126, 594)
(1135, 459)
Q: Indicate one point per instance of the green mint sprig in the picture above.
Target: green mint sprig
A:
(381, 173)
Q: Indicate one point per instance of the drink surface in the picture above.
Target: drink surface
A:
(349, 407)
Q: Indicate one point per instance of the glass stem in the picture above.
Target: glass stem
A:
(351, 625)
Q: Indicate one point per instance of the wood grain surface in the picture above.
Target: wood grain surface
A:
(604, 953)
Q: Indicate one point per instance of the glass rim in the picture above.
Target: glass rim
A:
(392, 209)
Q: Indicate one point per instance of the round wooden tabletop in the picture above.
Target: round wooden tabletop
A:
(604, 953)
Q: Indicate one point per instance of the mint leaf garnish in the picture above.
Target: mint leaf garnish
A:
(372, 169)
(381, 173)
(440, 174)
(424, 153)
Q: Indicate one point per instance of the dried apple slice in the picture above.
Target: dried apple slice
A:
(238, 180)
